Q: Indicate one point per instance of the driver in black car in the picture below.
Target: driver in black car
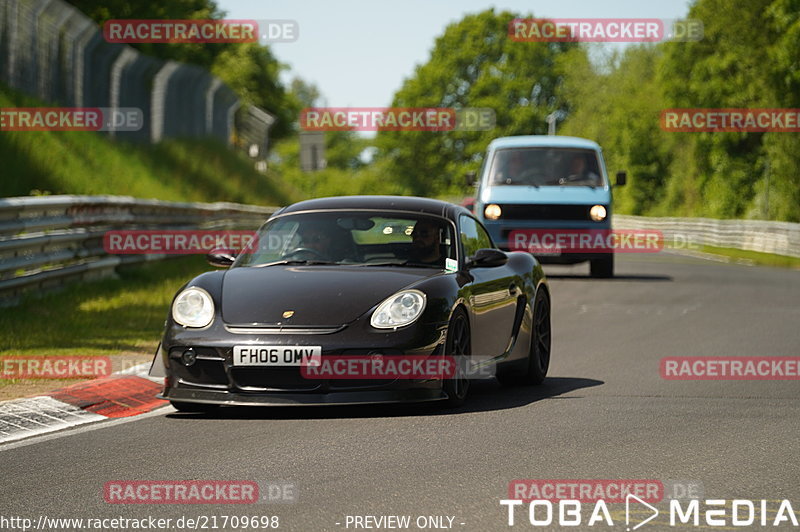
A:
(317, 239)
(325, 242)
(425, 247)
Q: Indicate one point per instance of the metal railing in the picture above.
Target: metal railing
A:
(780, 238)
(51, 50)
(47, 241)
(51, 240)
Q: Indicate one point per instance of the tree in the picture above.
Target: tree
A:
(473, 64)
(195, 53)
(254, 74)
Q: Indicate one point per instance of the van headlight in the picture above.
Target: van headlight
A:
(598, 213)
(403, 308)
(193, 308)
(492, 211)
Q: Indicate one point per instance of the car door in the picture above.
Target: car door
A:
(490, 294)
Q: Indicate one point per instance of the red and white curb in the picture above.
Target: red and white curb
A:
(123, 394)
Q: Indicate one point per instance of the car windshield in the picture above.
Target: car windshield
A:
(346, 238)
(546, 167)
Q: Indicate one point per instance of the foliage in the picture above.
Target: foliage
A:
(473, 64)
(85, 162)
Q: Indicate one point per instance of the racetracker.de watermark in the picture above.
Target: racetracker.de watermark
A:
(174, 31)
(177, 242)
(198, 492)
(558, 241)
(585, 490)
(58, 367)
(379, 367)
(731, 120)
(71, 119)
(397, 119)
(733, 368)
(604, 30)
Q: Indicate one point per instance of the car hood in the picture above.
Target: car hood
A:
(546, 195)
(317, 295)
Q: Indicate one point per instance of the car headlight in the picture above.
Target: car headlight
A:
(401, 309)
(597, 213)
(492, 211)
(193, 308)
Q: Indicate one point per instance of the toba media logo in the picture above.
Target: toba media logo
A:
(585, 503)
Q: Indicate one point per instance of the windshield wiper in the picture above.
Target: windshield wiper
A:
(294, 262)
(405, 264)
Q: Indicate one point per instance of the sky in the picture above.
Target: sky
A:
(358, 52)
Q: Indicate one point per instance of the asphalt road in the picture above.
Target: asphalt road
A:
(605, 413)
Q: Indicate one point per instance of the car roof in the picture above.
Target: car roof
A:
(551, 141)
(388, 203)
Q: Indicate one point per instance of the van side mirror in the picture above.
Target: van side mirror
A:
(471, 178)
(622, 178)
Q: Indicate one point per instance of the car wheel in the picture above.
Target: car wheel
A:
(539, 351)
(459, 346)
(193, 407)
(539, 355)
(602, 268)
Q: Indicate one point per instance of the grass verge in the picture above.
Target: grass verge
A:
(107, 317)
(761, 259)
(86, 162)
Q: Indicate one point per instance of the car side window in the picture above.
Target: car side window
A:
(473, 236)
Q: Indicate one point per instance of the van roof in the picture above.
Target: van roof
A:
(554, 141)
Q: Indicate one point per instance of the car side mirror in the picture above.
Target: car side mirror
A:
(471, 178)
(220, 258)
(622, 178)
(487, 258)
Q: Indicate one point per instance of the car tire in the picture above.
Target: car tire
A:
(458, 344)
(538, 361)
(193, 407)
(602, 268)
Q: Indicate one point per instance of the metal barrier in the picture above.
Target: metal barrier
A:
(50, 240)
(50, 50)
(46, 241)
(780, 238)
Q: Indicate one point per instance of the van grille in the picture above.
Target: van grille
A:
(545, 212)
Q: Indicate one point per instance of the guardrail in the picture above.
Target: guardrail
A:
(50, 240)
(780, 238)
(47, 241)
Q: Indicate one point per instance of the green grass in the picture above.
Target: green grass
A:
(762, 259)
(105, 317)
(77, 162)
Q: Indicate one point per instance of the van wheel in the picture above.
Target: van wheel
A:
(602, 268)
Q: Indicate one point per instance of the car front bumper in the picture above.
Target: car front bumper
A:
(229, 398)
(213, 378)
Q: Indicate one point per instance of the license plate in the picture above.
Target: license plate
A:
(277, 355)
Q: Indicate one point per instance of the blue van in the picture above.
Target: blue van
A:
(546, 182)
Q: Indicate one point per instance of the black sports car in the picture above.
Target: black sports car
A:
(359, 278)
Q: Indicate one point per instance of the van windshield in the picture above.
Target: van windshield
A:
(546, 167)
